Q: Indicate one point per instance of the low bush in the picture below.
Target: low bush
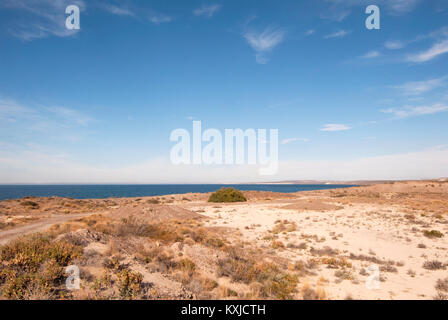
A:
(34, 267)
(130, 284)
(273, 282)
(227, 195)
(187, 266)
(284, 226)
(434, 265)
(30, 204)
(433, 234)
(442, 285)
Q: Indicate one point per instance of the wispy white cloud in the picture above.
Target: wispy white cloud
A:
(337, 34)
(409, 111)
(290, 140)
(160, 18)
(207, 11)
(11, 111)
(394, 44)
(40, 19)
(433, 52)
(402, 6)
(338, 10)
(336, 15)
(119, 11)
(371, 54)
(41, 116)
(415, 88)
(335, 127)
(141, 13)
(440, 35)
(264, 42)
(310, 32)
(70, 115)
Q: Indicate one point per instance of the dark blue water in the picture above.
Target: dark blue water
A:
(118, 191)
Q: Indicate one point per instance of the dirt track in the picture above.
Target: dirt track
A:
(42, 225)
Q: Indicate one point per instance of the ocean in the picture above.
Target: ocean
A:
(142, 190)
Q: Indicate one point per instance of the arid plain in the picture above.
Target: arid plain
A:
(305, 245)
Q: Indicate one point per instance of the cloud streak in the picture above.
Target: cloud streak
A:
(436, 50)
(310, 32)
(40, 19)
(415, 88)
(119, 11)
(207, 11)
(409, 111)
(290, 140)
(338, 10)
(337, 34)
(394, 44)
(41, 117)
(371, 55)
(140, 13)
(264, 42)
(160, 18)
(335, 127)
(69, 115)
(11, 111)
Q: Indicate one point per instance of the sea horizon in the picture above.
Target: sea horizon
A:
(101, 191)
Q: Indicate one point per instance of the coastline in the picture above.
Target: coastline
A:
(103, 191)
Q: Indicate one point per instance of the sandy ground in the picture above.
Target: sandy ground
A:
(344, 232)
(390, 232)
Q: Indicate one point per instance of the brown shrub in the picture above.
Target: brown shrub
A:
(434, 265)
(442, 285)
(33, 266)
(130, 284)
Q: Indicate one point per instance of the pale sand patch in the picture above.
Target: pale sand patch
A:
(374, 230)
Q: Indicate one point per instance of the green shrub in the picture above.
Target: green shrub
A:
(227, 195)
(433, 234)
(30, 204)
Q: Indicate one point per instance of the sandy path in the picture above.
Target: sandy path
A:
(11, 234)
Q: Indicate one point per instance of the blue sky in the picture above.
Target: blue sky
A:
(98, 104)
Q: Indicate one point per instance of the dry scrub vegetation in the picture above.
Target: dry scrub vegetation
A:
(33, 267)
(130, 259)
(308, 245)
